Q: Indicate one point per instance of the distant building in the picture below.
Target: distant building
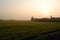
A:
(51, 19)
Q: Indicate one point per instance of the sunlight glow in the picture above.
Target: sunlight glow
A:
(46, 7)
(46, 12)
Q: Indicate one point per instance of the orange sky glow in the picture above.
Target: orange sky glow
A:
(25, 9)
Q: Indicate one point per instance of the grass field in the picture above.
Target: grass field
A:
(25, 30)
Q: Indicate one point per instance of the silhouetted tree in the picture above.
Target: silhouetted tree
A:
(32, 18)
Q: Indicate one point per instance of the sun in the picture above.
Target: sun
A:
(46, 8)
(45, 12)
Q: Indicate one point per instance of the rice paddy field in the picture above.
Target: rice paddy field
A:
(27, 30)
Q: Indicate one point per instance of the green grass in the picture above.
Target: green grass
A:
(18, 30)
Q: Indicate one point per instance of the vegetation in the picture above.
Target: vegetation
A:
(27, 30)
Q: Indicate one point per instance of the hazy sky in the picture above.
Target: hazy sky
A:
(25, 9)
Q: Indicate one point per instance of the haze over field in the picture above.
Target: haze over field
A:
(24, 9)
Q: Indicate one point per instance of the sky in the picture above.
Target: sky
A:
(25, 9)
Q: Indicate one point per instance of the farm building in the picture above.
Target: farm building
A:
(51, 19)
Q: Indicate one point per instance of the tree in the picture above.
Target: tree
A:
(32, 18)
